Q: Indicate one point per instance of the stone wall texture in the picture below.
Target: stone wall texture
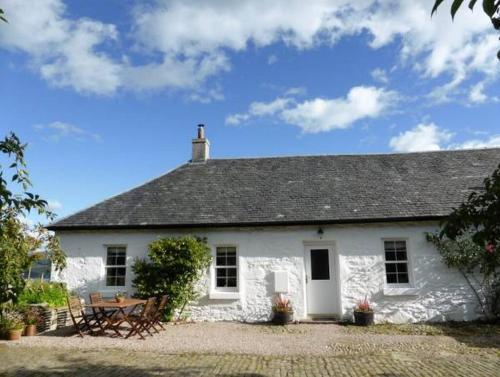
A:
(437, 293)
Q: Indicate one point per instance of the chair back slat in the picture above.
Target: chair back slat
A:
(163, 303)
(95, 297)
(75, 304)
(149, 307)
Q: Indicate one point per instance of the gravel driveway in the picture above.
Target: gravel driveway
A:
(263, 339)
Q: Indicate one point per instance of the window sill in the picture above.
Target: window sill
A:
(400, 291)
(217, 295)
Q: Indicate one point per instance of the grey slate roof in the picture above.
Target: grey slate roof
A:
(296, 190)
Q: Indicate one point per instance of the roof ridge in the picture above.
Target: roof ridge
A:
(357, 155)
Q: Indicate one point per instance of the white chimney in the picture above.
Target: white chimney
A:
(201, 146)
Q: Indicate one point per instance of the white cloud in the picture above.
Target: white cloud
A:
(424, 137)
(56, 131)
(380, 75)
(54, 205)
(492, 142)
(476, 94)
(430, 137)
(182, 43)
(64, 52)
(323, 114)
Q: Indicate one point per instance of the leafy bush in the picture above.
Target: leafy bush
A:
(173, 267)
(11, 318)
(40, 292)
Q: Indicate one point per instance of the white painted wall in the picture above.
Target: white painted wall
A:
(438, 293)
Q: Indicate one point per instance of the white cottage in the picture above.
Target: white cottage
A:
(325, 230)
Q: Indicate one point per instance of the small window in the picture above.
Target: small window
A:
(320, 264)
(226, 270)
(116, 261)
(396, 262)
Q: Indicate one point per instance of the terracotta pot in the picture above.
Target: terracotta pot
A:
(280, 318)
(30, 330)
(363, 318)
(120, 299)
(14, 334)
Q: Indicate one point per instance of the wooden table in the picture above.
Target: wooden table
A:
(115, 318)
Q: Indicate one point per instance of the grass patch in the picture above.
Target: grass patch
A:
(448, 328)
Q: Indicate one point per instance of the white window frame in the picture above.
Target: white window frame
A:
(214, 270)
(106, 266)
(408, 264)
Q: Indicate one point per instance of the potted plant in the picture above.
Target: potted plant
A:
(31, 318)
(363, 313)
(120, 297)
(12, 323)
(282, 310)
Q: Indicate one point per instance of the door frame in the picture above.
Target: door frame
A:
(330, 244)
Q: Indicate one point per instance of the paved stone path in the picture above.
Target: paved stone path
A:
(346, 355)
(43, 362)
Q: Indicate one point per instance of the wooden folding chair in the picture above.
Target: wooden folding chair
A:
(142, 322)
(82, 321)
(158, 314)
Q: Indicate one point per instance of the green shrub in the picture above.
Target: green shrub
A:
(40, 292)
(173, 267)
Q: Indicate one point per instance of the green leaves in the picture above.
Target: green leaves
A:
(2, 16)
(489, 6)
(436, 6)
(454, 7)
(11, 202)
(174, 267)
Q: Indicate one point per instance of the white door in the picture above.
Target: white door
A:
(321, 281)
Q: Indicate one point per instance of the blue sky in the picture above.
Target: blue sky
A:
(108, 93)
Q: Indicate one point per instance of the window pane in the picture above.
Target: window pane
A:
(221, 272)
(389, 245)
(221, 260)
(231, 282)
(231, 272)
(221, 282)
(231, 260)
(400, 245)
(120, 261)
(110, 281)
(111, 271)
(402, 267)
(120, 281)
(391, 279)
(320, 264)
(390, 267)
(403, 278)
(401, 255)
(120, 271)
(390, 255)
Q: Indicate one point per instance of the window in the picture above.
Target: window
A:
(396, 262)
(320, 265)
(39, 270)
(116, 266)
(226, 269)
